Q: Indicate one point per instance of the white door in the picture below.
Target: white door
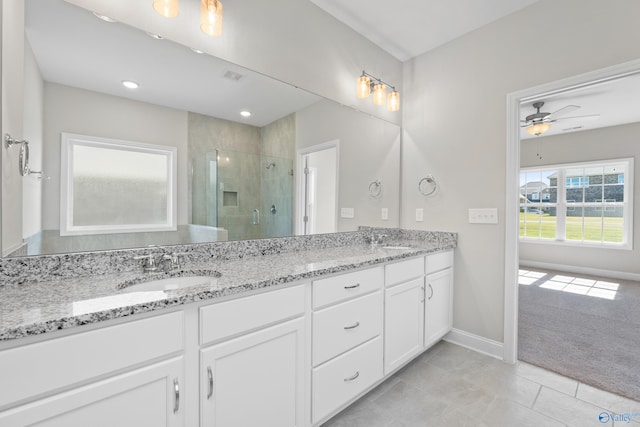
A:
(255, 380)
(149, 396)
(438, 313)
(404, 322)
(318, 184)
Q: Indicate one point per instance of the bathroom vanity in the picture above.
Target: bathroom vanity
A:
(282, 339)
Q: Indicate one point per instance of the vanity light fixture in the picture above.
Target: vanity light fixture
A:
(367, 84)
(210, 13)
(130, 84)
(167, 8)
(538, 129)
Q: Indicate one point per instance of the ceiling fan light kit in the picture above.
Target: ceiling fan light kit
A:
(540, 121)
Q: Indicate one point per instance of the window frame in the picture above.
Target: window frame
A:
(69, 141)
(562, 205)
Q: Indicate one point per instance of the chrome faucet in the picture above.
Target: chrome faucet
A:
(376, 239)
(172, 261)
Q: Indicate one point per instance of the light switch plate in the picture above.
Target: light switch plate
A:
(346, 213)
(483, 216)
(419, 214)
(384, 214)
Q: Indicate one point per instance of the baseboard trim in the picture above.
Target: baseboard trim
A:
(476, 342)
(581, 270)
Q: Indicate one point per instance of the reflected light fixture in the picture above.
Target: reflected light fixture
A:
(367, 84)
(538, 128)
(211, 17)
(166, 8)
(130, 84)
(210, 14)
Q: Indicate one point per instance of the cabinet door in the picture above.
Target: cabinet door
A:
(149, 396)
(404, 322)
(438, 310)
(256, 379)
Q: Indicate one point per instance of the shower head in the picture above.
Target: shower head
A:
(270, 165)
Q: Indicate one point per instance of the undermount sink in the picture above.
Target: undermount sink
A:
(169, 281)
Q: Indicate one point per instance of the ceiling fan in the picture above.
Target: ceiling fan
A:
(539, 122)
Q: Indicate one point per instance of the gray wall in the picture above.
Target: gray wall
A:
(598, 144)
(454, 122)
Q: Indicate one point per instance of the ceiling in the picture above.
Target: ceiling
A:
(408, 28)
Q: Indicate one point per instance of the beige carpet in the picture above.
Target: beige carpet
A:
(583, 327)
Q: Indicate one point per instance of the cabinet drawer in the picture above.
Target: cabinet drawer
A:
(402, 271)
(341, 327)
(342, 379)
(50, 365)
(225, 319)
(439, 261)
(345, 286)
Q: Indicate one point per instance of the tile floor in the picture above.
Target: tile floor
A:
(452, 386)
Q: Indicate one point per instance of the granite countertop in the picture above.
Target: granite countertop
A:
(35, 308)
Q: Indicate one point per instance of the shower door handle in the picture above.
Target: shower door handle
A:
(256, 217)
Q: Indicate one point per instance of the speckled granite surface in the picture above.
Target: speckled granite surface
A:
(52, 302)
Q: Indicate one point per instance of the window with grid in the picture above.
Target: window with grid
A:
(581, 203)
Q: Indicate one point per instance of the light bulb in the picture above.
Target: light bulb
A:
(393, 101)
(166, 8)
(211, 17)
(379, 94)
(364, 87)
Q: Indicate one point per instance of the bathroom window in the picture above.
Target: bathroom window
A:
(582, 204)
(115, 186)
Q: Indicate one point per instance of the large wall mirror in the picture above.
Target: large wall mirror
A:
(238, 177)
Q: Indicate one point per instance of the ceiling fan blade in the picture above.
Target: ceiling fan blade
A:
(561, 112)
(591, 116)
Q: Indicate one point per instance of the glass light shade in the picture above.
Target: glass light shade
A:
(364, 87)
(393, 101)
(211, 17)
(379, 94)
(538, 128)
(166, 8)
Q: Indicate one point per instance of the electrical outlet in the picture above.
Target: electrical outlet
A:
(419, 214)
(384, 215)
(346, 213)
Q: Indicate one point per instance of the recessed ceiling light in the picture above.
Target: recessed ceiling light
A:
(130, 85)
(197, 50)
(245, 113)
(155, 36)
(104, 17)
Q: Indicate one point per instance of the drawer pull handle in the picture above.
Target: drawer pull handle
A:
(353, 377)
(210, 376)
(355, 325)
(431, 288)
(357, 285)
(176, 395)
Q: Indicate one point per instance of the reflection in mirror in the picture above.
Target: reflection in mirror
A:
(236, 176)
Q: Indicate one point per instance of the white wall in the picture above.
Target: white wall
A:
(74, 110)
(33, 122)
(369, 151)
(12, 110)
(599, 144)
(290, 40)
(454, 122)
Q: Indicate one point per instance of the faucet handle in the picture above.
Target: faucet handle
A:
(150, 262)
(174, 258)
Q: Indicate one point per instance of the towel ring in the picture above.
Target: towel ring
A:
(375, 188)
(23, 160)
(431, 181)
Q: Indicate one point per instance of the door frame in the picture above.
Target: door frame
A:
(512, 219)
(300, 154)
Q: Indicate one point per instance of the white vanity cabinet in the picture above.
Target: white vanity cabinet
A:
(418, 306)
(252, 361)
(347, 324)
(126, 375)
(438, 318)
